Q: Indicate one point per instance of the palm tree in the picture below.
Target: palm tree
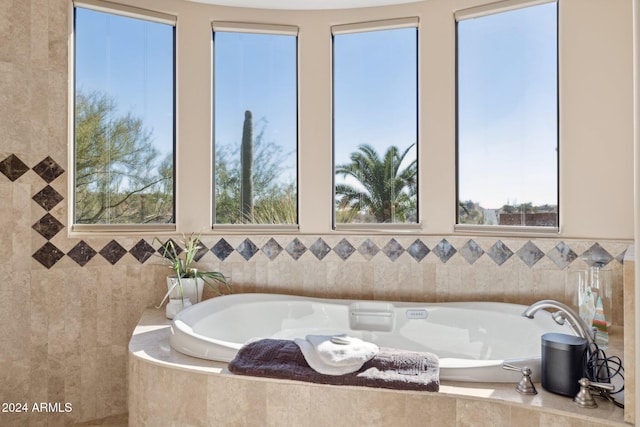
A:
(387, 193)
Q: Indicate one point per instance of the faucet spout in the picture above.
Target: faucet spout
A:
(578, 325)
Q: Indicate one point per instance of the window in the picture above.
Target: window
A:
(124, 117)
(375, 123)
(507, 149)
(255, 124)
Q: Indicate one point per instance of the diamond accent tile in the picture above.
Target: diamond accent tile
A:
(368, 249)
(530, 254)
(272, 249)
(344, 249)
(48, 255)
(48, 198)
(620, 257)
(320, 249)
(113, 251)
(48, 169)
(499, 252)
(142, 251)
(247, 249)
(169, 247)
(562, 255)
(296, 248)
(48, 226)
(13, 168)
(222, 249)
(81, 253)
(393, 249)
(202, 251)
(471, 251)
(418, 250)
(444, 250)
(596, 255)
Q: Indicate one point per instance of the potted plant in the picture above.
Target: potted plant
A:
(185, 285)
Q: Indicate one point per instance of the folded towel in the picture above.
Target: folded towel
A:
(336, 354)
(316, 362)
(342, 350)
(392, 369)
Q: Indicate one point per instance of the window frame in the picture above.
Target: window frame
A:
(257, 29)
(127, 12)
(479, 12)
(364, 27)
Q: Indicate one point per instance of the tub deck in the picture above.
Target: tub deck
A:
(213, 396)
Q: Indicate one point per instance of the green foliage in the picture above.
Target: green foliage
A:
(279, 207)
(182, 261)
(118, 178)
(274, 200)
(521, 208)
(470, 212)
(385, 193)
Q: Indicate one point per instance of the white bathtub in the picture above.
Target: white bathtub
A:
(472, 339)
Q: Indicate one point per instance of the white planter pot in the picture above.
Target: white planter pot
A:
(191, 288)
(175, 306)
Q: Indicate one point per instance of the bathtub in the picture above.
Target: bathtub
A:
(472, 339)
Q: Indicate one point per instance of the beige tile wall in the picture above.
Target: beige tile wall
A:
(629, 335)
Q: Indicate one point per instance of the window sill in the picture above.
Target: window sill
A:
(381, 228)
(507, 230)
(120, 229)
(256, 228)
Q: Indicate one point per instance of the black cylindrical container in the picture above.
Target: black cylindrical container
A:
(562, 363)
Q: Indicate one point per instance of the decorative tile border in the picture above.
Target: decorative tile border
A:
(471, 251)
(529, 254)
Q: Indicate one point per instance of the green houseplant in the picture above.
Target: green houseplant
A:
(187, 282)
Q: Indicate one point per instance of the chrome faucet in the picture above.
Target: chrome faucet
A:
(564, 312)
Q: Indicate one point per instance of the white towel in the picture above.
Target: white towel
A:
(317, 364)
(341, 350)
(343, 355)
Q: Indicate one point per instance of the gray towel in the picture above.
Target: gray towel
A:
(390, 368)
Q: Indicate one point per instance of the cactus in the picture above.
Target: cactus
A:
(246, 161)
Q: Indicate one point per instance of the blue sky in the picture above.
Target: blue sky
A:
(375, 91)
(256, 72)
(507, 88)
(507, 107)
(132, 60)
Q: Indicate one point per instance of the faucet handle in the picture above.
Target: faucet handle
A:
(584, 399)
(525, 386)
(510, 367)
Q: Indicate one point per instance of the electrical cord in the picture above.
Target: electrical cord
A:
(603, 369)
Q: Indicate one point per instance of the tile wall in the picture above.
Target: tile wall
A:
(73, 303)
